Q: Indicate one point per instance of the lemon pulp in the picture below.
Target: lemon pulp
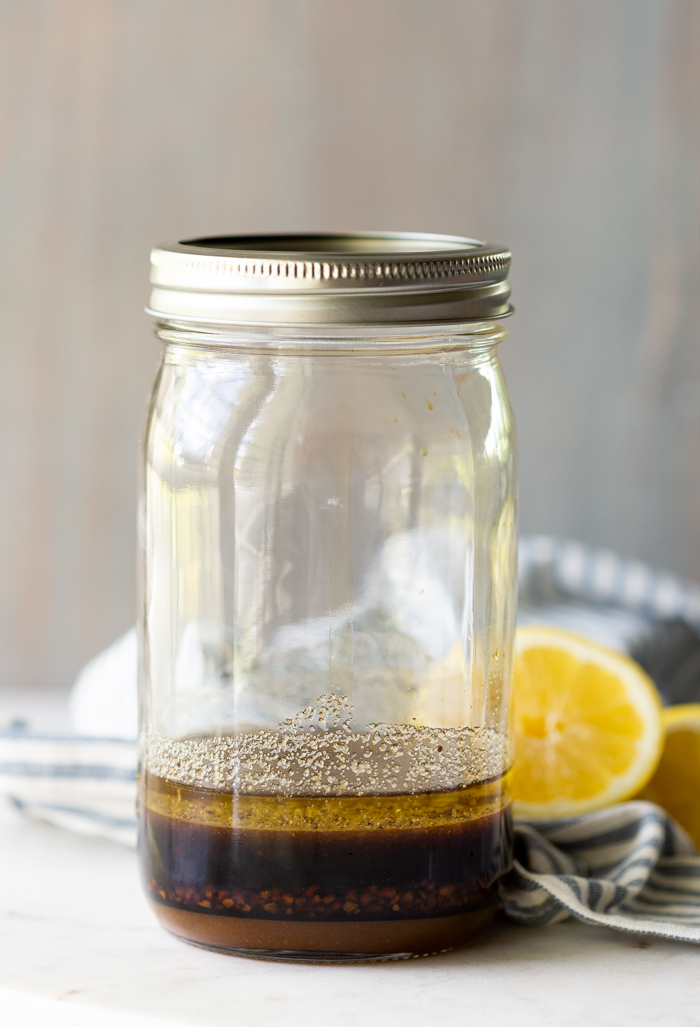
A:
(587, 724)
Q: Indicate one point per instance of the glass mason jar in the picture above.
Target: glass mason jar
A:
(328, 531)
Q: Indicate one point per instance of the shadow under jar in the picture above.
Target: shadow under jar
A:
(328, 534)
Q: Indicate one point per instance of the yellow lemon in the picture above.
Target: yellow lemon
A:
(587, 724)
(676, 782)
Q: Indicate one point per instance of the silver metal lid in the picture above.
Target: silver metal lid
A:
(368, 278)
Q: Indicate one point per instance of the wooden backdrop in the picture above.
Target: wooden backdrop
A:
(569, 129)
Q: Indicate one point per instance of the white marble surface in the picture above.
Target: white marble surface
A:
(78, 945)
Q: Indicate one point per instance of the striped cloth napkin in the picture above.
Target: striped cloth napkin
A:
(628, 867)
(86, 785)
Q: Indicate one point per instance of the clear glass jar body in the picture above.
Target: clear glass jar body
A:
(328, 545)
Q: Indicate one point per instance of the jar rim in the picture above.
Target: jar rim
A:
(330, 279)
(348, 340)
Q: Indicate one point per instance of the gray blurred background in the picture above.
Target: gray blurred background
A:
(567, 129)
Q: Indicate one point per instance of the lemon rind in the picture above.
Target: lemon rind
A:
(685, 715)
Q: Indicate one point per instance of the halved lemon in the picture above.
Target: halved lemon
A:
(587, 725)
(676, 781)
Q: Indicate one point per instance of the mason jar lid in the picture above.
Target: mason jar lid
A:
(365, 278)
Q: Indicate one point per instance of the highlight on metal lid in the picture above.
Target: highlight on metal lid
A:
(297, 280)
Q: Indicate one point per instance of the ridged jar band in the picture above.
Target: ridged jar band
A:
(370, 279)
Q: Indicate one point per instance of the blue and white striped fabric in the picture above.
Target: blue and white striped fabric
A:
(85, 785)
(598, 592)
(628, 867)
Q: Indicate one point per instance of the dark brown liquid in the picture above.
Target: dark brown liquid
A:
(397, 864)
